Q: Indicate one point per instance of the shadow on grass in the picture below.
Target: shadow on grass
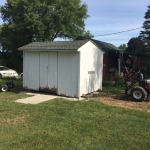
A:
(16, 89)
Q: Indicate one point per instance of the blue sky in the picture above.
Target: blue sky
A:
(111, 16)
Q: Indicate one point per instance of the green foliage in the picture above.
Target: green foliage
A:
(145, 35)
(135, 44)
(37, 20)
(45, 20)
(112, 87)
(87, 34)
(122, 47)
(120, 83)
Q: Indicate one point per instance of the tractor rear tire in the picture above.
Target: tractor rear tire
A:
(4, 88)
(138, 94)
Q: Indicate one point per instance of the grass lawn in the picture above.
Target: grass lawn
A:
(70, 125)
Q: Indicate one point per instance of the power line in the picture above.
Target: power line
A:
(118, 32)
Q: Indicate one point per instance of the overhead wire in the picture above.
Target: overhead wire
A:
(118, 32)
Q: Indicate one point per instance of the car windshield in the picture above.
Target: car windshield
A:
(4, 68)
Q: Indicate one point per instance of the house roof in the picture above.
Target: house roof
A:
(106, 46)
(56, 45)
(138, 54)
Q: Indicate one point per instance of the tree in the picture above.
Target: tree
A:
(87, 34)
(135, 44)
(122, 47)
(39, 20)
(145, 35)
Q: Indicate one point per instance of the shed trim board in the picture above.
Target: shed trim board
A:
(71, 73)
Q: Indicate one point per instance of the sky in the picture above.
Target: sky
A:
(112, 16)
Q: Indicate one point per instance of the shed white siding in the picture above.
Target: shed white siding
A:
(48, 71)
(68, 67)
(70, 72)
(91, 68)
(43, 70)
(31, 70)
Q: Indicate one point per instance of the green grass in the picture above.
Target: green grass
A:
(17, 81)
(112, 88)
(70, 125)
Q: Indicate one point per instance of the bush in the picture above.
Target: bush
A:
(112, 87)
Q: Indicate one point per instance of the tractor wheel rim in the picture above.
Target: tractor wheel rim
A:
(4, 89)
(137, 94)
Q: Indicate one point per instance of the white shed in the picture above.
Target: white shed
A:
(69, 68)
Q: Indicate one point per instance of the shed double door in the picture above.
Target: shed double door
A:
(48, 71)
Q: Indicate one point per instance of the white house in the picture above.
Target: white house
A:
(69, 68)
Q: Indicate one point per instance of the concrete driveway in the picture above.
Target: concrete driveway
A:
(37, 98)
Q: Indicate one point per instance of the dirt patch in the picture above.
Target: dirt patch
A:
(15, 120)
(120, 101)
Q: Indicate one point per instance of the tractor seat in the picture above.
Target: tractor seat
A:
(142, 81)
(147, 81)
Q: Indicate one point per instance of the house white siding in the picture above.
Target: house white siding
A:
(68, 63)
(91, 68)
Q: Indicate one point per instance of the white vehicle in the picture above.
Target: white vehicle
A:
(6, 72)
(21, 75)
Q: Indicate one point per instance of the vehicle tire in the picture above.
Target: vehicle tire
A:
(138, 94)
(0, 76)
(4, 88)
(10, 84)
